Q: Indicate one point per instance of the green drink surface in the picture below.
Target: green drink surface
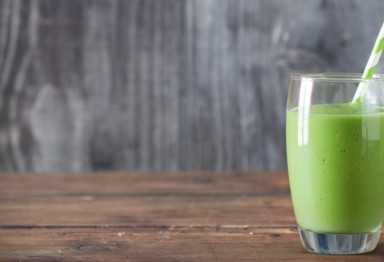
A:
(336, 167)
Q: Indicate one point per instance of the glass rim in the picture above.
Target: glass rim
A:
(337, 77)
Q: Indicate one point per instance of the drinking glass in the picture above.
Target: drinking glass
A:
(335, 154)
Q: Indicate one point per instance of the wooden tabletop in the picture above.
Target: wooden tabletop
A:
(152, 217)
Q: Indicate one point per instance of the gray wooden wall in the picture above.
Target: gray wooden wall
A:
(164, 84)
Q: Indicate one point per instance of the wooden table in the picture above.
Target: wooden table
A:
(152, 217)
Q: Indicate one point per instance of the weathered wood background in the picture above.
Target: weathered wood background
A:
(165, 84)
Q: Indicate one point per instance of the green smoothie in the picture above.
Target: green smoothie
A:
(336, 167)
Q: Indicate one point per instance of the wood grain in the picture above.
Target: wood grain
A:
(145, 199)
(164, 85)
(178, 244)
(193, 216)
(152, 183)
(156, 210)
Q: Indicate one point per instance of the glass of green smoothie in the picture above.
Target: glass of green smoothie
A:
(335, 153)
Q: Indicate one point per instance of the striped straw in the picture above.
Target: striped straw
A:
(372, 63)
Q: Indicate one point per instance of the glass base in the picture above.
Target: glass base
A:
(324, 243)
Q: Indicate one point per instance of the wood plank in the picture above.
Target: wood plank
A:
(164, 244)
(73, 221)
(138, 199)
(262, 183)
(166, 84)
(139, 210)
